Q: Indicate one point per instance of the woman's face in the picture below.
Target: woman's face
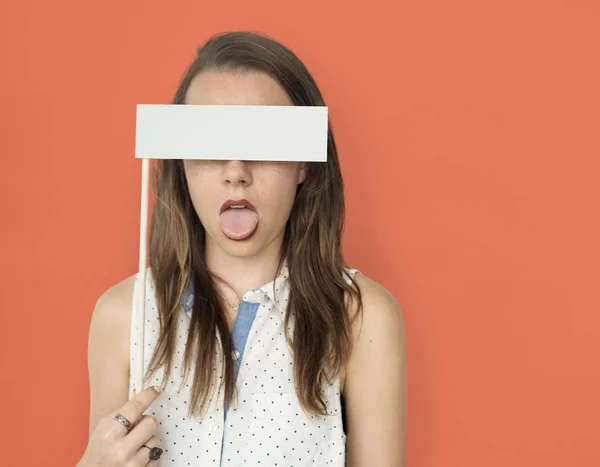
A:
(262, 193)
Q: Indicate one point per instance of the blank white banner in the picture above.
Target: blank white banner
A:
(231, 132)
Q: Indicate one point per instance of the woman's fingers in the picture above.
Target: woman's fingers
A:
(112, 444)
(144, 429)
(135, 408)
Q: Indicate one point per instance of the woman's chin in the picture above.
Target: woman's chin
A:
(251, 245)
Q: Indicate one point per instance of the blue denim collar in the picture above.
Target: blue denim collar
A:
(270, 289)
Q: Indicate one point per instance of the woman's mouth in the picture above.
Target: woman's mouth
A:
(238, 219)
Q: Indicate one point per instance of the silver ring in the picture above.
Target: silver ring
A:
(153, 453)
(123, 421)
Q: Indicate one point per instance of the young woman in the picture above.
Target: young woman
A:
(266, 348)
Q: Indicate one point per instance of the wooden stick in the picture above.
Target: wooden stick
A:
(141, 297)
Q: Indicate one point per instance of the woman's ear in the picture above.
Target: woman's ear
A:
(302, 171)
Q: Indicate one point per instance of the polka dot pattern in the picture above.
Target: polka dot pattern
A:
(267, 426)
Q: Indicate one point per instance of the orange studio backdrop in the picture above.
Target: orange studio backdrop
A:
(469, 139)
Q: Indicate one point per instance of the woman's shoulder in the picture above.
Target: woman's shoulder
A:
(112, 312)
(380, 314)
(377, 333)
(118, 295)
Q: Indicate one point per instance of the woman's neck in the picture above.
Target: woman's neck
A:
(244, 273)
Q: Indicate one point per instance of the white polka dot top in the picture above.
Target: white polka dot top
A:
(267, 426)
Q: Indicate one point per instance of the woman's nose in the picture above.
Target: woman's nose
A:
(237, 172)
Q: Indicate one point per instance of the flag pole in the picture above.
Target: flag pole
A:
(141, 297)
(197, 132)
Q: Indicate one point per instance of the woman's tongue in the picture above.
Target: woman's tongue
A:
(238, 223)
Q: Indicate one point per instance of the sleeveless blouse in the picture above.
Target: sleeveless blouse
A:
(267, 425)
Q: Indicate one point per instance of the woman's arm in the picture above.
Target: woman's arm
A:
(375, 382)
(108, 351)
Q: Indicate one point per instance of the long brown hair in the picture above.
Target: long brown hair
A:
(321, 339)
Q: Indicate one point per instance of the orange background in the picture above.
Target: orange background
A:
(469, 139)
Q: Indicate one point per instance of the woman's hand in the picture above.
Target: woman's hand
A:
(113, 445)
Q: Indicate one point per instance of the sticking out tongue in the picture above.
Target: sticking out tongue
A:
(238, 223)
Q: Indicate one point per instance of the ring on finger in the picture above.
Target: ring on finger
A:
(123, 421)
(153, 453)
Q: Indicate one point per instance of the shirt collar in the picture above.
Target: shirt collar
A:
(273, 290)
(276, 289)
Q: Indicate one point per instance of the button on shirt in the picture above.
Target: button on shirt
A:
(267, 425)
